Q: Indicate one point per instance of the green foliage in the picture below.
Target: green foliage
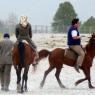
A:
(63, 17)
(88, 26)
(9, 24)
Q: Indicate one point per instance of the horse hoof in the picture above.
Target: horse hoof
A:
(41, 85)
(18, 88)
(76, 84)
(26, 90)
(91, 87)
(62, 86)
(22, 91)
(18, 91)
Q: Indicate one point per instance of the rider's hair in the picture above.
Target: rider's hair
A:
(75, 21)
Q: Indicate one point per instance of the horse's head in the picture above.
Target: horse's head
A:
(91, 44)
(92, 40)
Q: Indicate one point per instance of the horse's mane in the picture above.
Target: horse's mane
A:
(91, 43)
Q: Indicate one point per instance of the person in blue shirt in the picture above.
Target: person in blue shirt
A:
(74, 42)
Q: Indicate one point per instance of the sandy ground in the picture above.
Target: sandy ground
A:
(68, 75)
(51, 41)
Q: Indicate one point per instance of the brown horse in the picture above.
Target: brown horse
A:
(59, 56)
(22, 55)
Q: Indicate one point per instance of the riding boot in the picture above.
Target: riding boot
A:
(77, 68)
(35, 50)
(33, 46)
(36, 56)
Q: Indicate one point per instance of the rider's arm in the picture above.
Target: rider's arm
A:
(74, 35)
(16, 32)
(30, 31)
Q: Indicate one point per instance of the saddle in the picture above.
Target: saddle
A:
(69, 53)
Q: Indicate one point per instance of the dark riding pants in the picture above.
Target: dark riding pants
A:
(31, 43)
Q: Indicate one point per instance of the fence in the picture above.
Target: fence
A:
(49, 29)
(41, 29)
(64, 29)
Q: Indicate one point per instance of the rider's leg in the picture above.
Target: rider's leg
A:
(17, 42)
(32, 44)
(81, 54)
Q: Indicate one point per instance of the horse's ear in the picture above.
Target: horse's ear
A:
(93, 33)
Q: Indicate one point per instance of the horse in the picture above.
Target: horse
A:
(22, 55)
(59, 56)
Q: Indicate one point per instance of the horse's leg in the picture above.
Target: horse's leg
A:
(79, 81)
(24, 79)
(87, 74)
(45, 75)
(18, 72)
(23, 82)
(57, 74)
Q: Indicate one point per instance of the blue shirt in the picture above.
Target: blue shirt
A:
(72, 41)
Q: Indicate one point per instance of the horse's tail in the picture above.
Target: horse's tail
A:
(21, 52)
(43, 53)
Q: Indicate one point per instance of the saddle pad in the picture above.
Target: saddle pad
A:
(70, 54)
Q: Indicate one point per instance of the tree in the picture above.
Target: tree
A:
(2, 26)
(11, 22)
(63, 17)
(88, 26)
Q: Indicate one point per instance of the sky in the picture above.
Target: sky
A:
(41, 12)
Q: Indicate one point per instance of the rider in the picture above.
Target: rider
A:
(24, 32)
(74, 42)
